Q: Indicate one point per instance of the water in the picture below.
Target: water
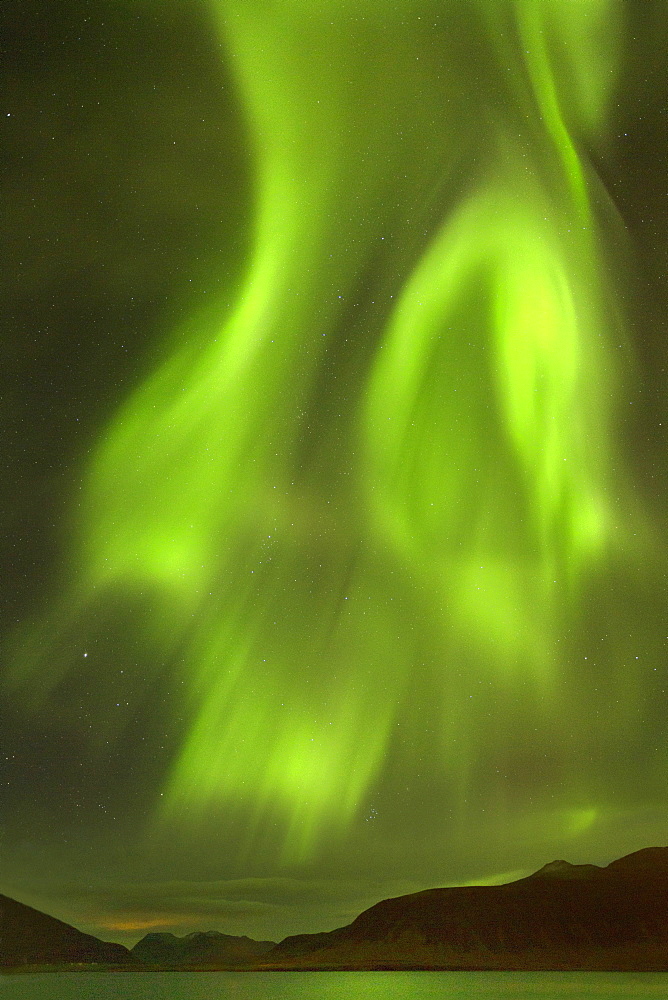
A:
(339, 985)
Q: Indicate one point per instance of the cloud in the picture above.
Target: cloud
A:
(259, 907)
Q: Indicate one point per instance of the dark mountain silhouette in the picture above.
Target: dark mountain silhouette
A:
(563, 869)
(561, 917)
(28, 937)
(200, 948)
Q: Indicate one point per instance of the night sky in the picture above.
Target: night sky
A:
(333, 452)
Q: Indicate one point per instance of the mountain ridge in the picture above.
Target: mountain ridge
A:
(199, 948)
(29, 937)
(560, 917)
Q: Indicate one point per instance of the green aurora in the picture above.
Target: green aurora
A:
(369, 504)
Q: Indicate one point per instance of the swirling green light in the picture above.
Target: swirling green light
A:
(460, 485)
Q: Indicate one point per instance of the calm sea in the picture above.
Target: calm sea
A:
(339, 985)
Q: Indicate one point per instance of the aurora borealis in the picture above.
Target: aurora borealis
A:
(334, 413)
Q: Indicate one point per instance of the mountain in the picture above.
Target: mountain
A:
(28, 937)
(562, 917)
(563, 869)
(200, 948)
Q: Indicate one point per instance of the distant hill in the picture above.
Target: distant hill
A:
(200, 948)
(561, 917)
(28, 937)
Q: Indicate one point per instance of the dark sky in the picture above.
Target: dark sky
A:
(334, 452)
